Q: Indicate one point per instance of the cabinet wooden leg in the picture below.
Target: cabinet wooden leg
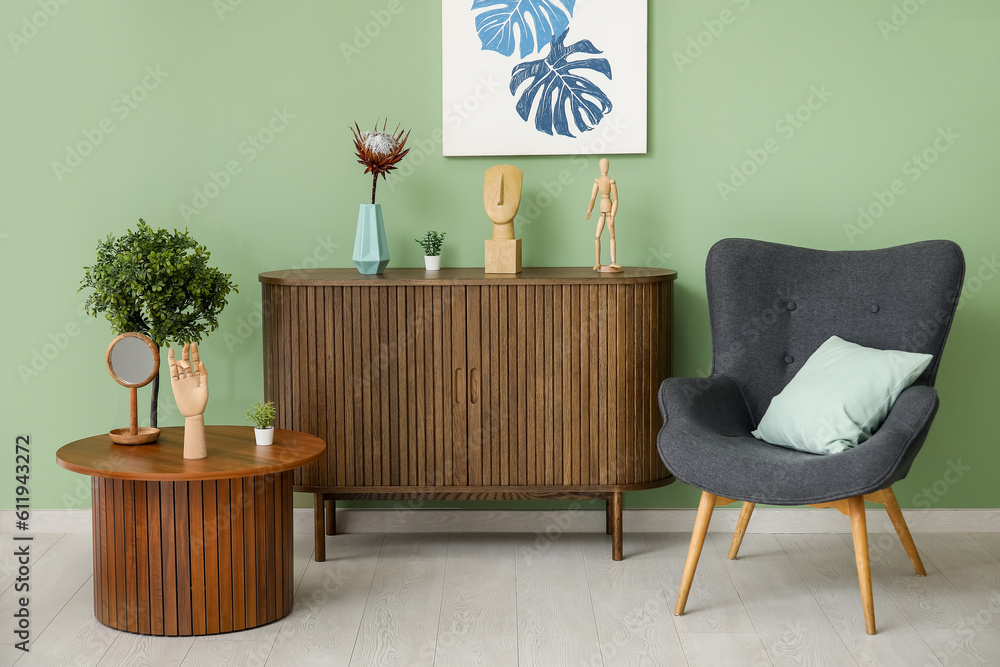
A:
(607, 515)
(318, 525)
(616, 526)
(331, 517)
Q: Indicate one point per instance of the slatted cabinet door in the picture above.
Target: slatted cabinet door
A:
(568, 382)
(382, 374)
(429, 370)
(504, 448)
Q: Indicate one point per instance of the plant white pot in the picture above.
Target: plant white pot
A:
(432, 262)
(264, 436)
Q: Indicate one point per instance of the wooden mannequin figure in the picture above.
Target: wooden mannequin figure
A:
(609, 207)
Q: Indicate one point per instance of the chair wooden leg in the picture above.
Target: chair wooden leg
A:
(896, 516)
(859, 530)
(318, 526)
(331, 517)
(705, 508)
(741, 529)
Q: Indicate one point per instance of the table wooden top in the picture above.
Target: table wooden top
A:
(232, 453)
(466, 276)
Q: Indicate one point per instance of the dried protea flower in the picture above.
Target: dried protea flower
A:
(381, 143)
(379, 151)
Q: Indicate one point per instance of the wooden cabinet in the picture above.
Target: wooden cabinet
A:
(458, 385)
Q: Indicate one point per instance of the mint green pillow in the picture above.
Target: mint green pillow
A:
(839, 397)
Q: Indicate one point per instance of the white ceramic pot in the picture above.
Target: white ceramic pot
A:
(264, 436)
(432, 262)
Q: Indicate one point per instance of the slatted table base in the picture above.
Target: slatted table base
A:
(192, 558)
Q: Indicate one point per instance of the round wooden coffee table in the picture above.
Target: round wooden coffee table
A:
(192, 547)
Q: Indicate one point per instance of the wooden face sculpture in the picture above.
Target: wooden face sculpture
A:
(502, 197)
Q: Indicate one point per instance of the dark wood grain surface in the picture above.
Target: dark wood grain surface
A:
(464, 276)
(232, 452)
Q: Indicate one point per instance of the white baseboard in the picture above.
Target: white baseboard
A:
(765, 520)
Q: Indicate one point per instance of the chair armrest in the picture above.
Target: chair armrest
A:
(715, 403)
(903, 432)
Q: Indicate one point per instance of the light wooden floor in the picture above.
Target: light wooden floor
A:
(554, 599)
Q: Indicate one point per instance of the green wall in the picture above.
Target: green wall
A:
(220, 76)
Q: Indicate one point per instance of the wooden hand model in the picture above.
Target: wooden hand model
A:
(189, 380)
(607, 188)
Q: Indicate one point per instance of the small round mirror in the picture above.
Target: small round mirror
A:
(133, 360)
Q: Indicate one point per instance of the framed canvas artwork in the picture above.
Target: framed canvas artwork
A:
(543, 77)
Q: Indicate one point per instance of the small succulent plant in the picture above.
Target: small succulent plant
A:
(262, 414)
(379, 151)
(431, 242)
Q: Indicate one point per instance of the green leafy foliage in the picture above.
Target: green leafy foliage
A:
(262, 414)
(158, 283)
(431, 242)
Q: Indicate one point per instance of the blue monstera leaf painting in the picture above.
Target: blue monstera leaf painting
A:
(535, 22)
(555, 90)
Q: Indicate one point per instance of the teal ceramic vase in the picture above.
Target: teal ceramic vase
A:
(371, 250)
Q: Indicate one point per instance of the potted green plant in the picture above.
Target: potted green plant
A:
(431, 243)
(159, 284)
(261, 414)
(380, 152)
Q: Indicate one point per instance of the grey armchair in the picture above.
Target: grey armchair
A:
(771, 306)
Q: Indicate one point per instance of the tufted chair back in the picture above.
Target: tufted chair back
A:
(771, 306)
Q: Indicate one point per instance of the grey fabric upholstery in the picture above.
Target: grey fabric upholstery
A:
(771, 306)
